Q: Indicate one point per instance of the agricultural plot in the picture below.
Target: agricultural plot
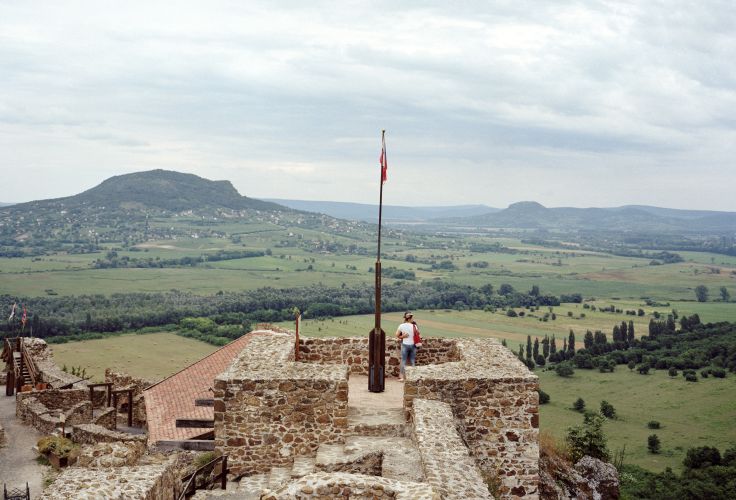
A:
(152, 356)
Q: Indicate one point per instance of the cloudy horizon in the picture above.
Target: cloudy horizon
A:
(567, 104)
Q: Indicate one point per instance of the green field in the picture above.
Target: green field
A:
(450, 323)
(151, 356)
(691, 413)
(299, 258)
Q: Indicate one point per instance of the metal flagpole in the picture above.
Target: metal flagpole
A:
(377, 337)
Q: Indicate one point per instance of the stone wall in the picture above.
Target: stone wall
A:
(149, 482)
(494, 397)
(446, 461)
(269, 409)
(107, 419)
(31, 411)
(353, 352)
(49, 370)
(54, 399)
(93, 434)
(122, 380)
(353, 486)
(114, 454)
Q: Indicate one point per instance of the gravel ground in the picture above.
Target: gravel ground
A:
(17, 459)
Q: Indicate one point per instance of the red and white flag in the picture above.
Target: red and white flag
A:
(384, 163)
(12, 312)
(24, 318)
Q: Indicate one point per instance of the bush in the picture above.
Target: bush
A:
(59, 446)
(564, 370)
(579, 405)
(672, 372)
(718, 372)
(653, 444)
(607, 410)
(643, 369)
(543, 397)
(653, 424)
(587, 439)
(702, 457)
(511, 313)
(691, 377)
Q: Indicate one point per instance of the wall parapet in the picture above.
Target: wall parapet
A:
(269, 409)
(446, 461)
(345, 485)
(494, 397)
(93, 434)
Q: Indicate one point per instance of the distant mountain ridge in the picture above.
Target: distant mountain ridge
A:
(369, 213)
(532, 215)
(156, 189)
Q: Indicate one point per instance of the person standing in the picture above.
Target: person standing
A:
(405, 332)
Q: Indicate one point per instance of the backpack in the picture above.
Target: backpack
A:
(417, 338)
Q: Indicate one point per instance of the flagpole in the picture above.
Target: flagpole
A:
(377, 337)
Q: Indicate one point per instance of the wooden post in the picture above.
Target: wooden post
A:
(223, 479)
(296, 345)
(109, 395)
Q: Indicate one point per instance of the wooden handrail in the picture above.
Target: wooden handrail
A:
(192, 477)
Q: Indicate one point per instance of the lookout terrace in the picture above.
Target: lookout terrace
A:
(463, 425)
(283, 419)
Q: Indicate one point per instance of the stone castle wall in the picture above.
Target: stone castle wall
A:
(123, 380)
(141, 482)
(353, 352)
(32, 408)
(269, 409)
(495, 399)
(93, 434)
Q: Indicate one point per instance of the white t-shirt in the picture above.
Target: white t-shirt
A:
(407, 328)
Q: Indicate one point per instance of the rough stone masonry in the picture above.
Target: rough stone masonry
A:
(270, 410)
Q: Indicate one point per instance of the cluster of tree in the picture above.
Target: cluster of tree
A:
(398, 274)
(61, 316)
(693, 346)
(112, 260)
(706, 474)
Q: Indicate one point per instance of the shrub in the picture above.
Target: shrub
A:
(643, 369)
(587, 439)
(543, 397)
(59, 446)
(702, 457)
(511, 313)
(564, 370)
(579, 405)
(672, 372)
(607, 409)
(691, 377)
(718, 372)
(653, 424)
(653, 443)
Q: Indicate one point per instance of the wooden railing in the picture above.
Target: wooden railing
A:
(191, 480)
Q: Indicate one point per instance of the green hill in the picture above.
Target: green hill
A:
(156, 190)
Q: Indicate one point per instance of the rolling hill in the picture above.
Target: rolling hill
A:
(532, 215)
(391, 213)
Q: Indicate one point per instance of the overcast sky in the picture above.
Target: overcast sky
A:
(566, 103)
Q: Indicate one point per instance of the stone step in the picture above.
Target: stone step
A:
(279, 476)
(386, 422)
(401, 459)
(302, 467)
(250, 487)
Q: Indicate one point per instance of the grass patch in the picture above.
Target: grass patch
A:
(151, 356)
(689, 414)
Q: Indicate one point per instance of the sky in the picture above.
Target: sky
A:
(587, 103)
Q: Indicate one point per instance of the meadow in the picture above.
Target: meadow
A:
(690, 413)
(151, 356)
(300, 256)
